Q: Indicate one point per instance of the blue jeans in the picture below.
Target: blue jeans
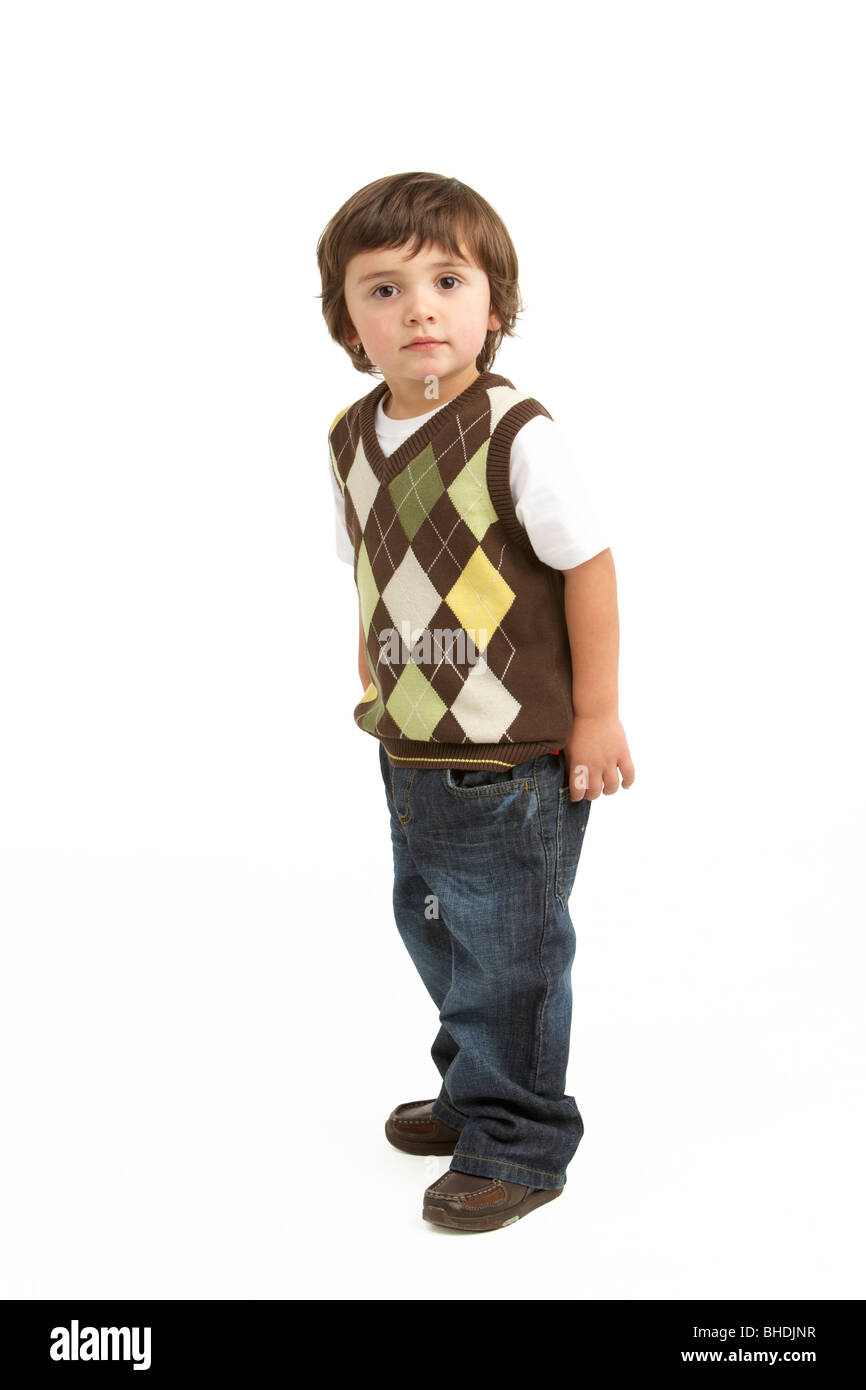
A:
(484, 863)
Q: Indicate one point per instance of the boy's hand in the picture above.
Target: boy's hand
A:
(596, 748)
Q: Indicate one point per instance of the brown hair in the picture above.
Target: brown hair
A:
(426, 209)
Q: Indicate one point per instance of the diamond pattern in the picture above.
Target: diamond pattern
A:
(480, 599)
(414, 705)
(415, 491)
(469, 494)
(368, 593)
(409, 594)
(427, 561)
(484, 709)
(362, 485)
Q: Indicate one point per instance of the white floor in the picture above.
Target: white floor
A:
(199, 1059)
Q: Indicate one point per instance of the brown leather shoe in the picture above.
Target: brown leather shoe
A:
(464, 1202)
(414, 1128)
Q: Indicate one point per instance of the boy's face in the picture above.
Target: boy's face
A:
(391, 300)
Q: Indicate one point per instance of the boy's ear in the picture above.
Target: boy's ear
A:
(350, 332)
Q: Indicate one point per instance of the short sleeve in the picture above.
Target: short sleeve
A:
(553, 497)
(345, 549)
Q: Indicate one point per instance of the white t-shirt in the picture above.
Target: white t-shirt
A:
(552, 500)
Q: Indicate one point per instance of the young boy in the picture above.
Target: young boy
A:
(488, 654)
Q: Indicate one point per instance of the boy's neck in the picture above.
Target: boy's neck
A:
(405, 399)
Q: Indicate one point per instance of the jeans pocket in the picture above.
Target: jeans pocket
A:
(476, 782)
(571, 819)
(478, 777)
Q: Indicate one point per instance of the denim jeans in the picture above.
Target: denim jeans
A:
(484, 863)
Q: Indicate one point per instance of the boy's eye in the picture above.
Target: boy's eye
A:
(376, 295)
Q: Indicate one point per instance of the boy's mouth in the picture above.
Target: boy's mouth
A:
(419, 343)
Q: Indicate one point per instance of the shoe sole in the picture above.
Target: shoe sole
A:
(440, 1216)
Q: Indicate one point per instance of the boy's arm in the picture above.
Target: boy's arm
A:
(597, 746)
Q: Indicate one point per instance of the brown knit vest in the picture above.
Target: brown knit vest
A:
(465, 631)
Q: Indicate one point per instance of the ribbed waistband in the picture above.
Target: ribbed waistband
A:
(416, 753)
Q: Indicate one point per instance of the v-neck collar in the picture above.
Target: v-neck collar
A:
(387, 466)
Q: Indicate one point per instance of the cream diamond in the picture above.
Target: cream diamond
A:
(363, 485)
(484, 709)
(502, 399)
(409, 596)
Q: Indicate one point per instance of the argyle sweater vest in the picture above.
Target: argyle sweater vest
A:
(464, 627)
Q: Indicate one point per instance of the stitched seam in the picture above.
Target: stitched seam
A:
(428, 1121)
(400, 758)
(560, 820)
(498, 788)
(406, 814)
(458, 1153)
(498, 761)
(409, 785)
(539, 1030)
(475, 793)
(455, 1113)
(568, 849)
(493, 1186)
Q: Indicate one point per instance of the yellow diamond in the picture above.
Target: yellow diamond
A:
(480, 599)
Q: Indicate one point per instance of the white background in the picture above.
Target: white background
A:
(206, 1011)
